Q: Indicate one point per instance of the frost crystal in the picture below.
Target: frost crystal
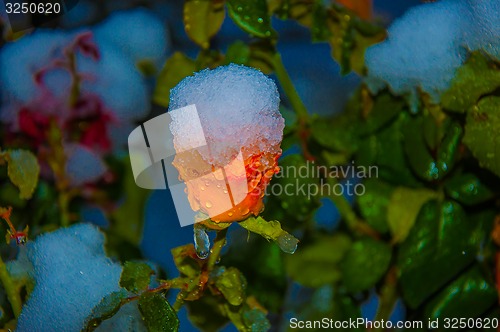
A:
(238, 108)
(72, 275)
(426, 46)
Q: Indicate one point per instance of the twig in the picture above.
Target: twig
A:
(219, 242)
(388, 297)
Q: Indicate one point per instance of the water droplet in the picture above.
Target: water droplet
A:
(192, 171)
(287, 243)
(245, 211)
(230, 214)
(260, 20)
(208, 204)
(201, 242)
(202, 188)
(225, 191)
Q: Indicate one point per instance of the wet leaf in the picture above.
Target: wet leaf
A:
(299, 194)
(469, 296)
(364, 264)
(419, 156)
(404, 207)
(317, 264)
(23, 171)
(238, 53)
(157, 313)
(385, 109)
(262, 264)
(202, 20)
(177, 67)
(247, 319)
(473, 80)
(135, 277)
(251, 16)
(207, 313)
(384, 149)
(231, 283)
(468, 189)
(338, 134)
(436, 249)
(186, 260)
(448, 148)
(373, 204)
(482, 133)
(271, 230)
(106, 309)
(256, 321)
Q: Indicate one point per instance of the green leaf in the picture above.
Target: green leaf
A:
(448, 149)
(231, 283)
(385, 109)
(186, 260)
(251, 16)
(350, 37)
(299, 194)
(419, 156)
(319, 28)
(207, 313)
(157, 313)
(135, 277)
(468, 189)
(373, 204)
(317, 264)
(482, 133)
(384, 149)
(177, 67)
(438, 247)
(23, 171)
(128, 218)
(344, 308)
(364, 264)
(469, 296)
(338, 134)
(473, 80)
(271, 230)
(202, 20)
(328, 301)
(106, 309)
(256, 321)
(262, 263)
(404, 207)
(246, 319)
(238, 52)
